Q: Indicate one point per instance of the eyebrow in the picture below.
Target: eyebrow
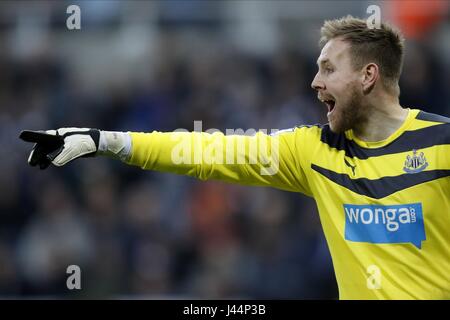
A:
(324, 61)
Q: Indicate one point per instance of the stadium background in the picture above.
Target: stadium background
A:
(149, 65)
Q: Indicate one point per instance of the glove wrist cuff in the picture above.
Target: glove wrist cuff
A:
(115, 144)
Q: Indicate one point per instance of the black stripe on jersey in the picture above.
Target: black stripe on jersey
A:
(432, 117)
(409, 140)
(383, 187)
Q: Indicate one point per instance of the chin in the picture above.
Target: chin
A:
(335, 129)
(338, 126)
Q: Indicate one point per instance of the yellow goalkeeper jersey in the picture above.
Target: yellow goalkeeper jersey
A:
(384, 206)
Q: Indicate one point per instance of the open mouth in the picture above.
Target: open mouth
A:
(330, 105)
(330, 102)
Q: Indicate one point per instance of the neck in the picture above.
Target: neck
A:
(384, 117)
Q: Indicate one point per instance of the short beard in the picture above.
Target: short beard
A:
(353, 113)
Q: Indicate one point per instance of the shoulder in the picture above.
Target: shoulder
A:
(301, 134)
(300, 129)
(432, 127)
(431, 117)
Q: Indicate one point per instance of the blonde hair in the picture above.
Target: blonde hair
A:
(383, 46)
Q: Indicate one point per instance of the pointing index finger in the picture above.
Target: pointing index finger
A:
(40, 136)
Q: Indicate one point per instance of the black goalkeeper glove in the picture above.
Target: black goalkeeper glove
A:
(59, 147)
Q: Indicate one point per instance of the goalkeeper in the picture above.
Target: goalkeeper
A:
(379, 172)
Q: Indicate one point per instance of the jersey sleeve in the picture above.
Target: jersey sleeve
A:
(260, 160)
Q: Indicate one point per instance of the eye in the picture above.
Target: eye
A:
(327, 70)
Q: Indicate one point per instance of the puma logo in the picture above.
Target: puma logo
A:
(349, 165)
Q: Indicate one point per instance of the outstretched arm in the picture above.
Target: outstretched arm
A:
(260, 159)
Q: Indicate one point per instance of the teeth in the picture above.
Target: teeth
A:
(323, 100)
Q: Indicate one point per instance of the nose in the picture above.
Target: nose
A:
(317, 84)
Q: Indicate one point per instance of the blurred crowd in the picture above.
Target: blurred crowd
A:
(138, 233)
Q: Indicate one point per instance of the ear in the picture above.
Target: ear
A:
(370, 75)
